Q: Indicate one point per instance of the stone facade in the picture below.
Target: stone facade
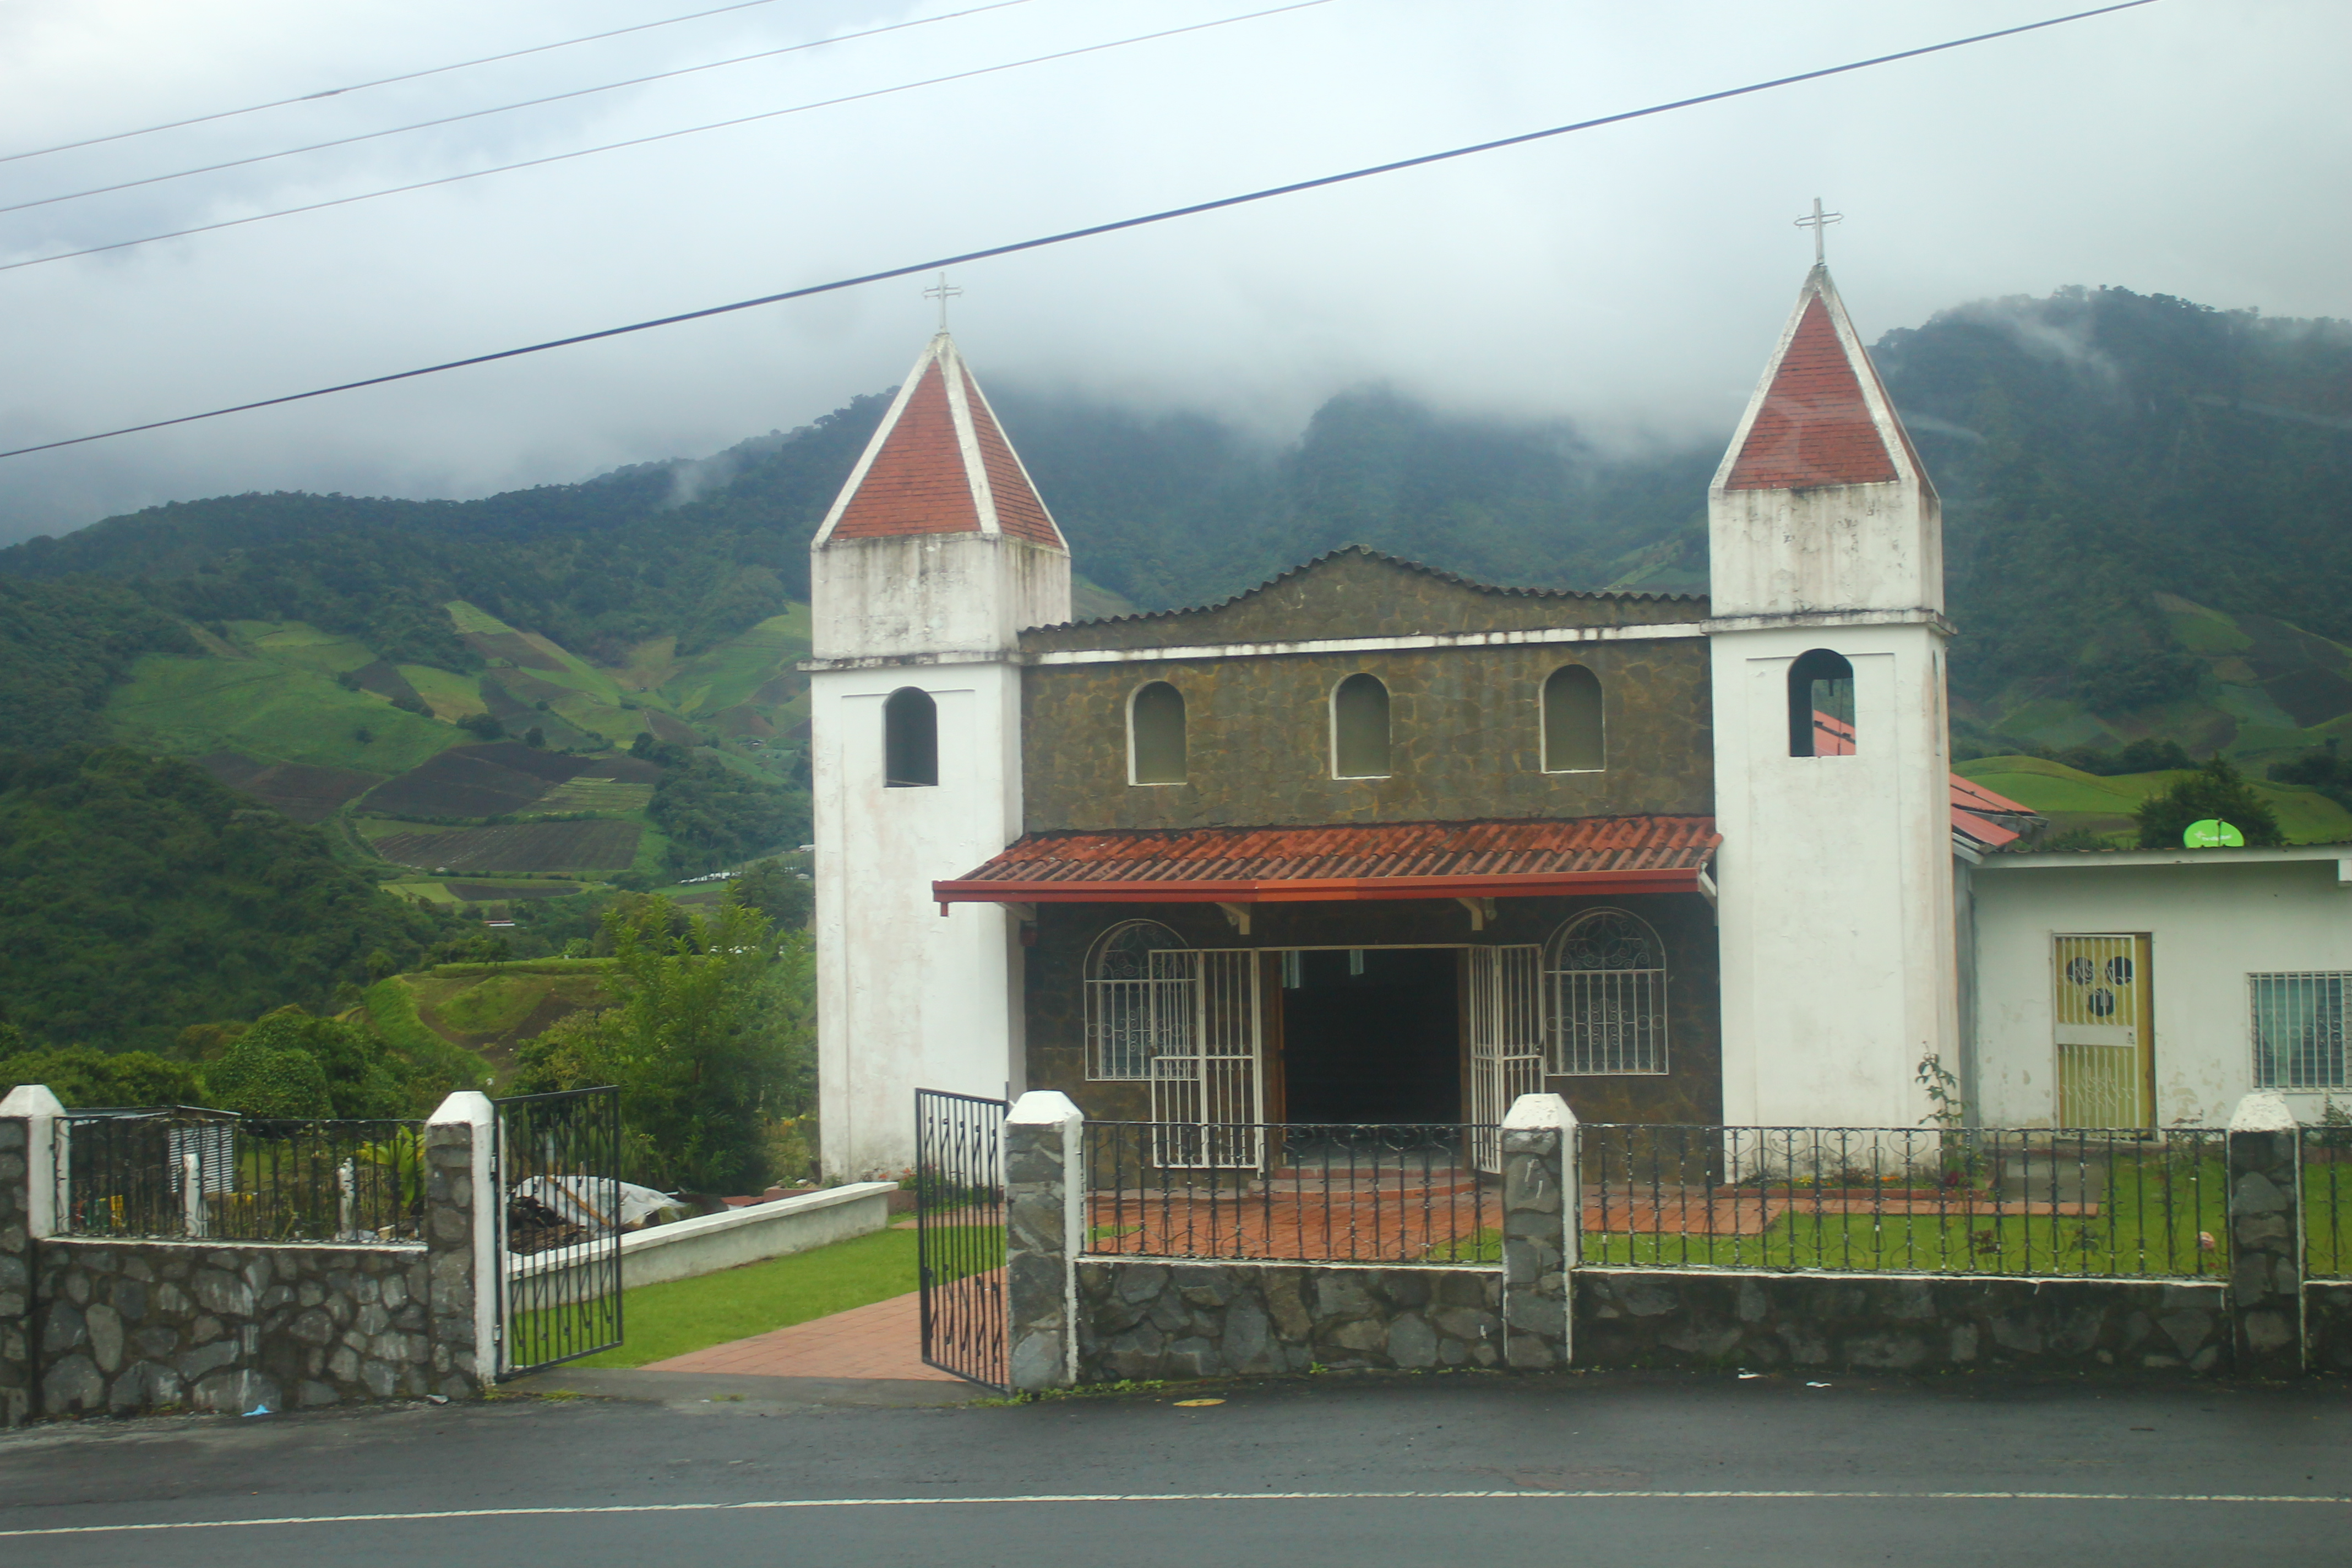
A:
(452, 1214)
(128, 1326)
(1465, 731)
(1847, 1323)
(1690, 1091)
(1150, 1320)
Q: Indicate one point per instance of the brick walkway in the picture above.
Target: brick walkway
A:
(884, 1340)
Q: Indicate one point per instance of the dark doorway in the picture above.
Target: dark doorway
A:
(1380, 1045)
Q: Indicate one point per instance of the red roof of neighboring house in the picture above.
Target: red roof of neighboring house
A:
(1814, 428)
(914, 479)
(1348, 861)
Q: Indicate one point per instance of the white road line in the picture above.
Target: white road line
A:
(1035, 1499)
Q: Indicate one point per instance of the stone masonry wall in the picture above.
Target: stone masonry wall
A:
(1153, 1320)
(1828, 1322)
(2327, 1327)
(15, 1279)
(128, 1325)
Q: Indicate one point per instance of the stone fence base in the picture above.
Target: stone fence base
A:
(1145, 1320)
(1875, 1322)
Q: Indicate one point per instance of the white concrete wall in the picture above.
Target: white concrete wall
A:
(932, 594)
(708, 1243)
(1835, 883)
(908, 998)
(2211, 922)
(1839, 547)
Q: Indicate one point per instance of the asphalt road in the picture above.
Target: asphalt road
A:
(1655, 1470)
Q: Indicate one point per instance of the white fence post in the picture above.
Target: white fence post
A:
(1044, 1229)
(1542, 1204)
(461, 1235)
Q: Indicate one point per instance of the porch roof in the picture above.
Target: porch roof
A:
(1348, 861)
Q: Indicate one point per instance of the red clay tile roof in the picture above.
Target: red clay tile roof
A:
(1814, 428)
(915, 483)
(1350, 861)
(1019, 512)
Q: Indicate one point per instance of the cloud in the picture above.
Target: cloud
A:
(1630, 279)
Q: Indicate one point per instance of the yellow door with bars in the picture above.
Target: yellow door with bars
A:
(2104, 1030)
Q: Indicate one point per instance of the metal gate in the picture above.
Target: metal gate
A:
(2105, 1066)
(556, 1166)
(1206, 1080)
(1507, 1041)
(959, 1233)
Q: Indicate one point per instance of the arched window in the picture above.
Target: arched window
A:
(1606, 972)
(1820, 705)
(1359, 729)
(1155, 735)
(1138, 999)
(1572, 739)
(910, 739)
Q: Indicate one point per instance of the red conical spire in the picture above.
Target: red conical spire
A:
(940, 464)
(1822, 418)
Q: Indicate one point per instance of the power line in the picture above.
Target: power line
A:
(656, 136)
(1113, 228)
(412, 75)
(500, 109)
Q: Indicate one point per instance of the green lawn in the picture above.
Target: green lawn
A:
(682, 1315)
(2150, 1226)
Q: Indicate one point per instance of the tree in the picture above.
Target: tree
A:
(268, 1077)
(84, 1075)
(775, 890)
(2215, 790)
(686, 1041)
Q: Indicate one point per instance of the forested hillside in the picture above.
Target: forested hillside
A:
(143, 897)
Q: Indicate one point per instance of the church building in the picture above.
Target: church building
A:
(1374, 843)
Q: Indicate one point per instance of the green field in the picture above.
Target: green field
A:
(2102, 804)
(271, 709)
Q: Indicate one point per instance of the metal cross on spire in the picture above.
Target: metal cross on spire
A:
(1817, 221)
(943, 292)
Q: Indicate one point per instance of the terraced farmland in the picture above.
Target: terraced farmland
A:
(570, 846)
(304, 792)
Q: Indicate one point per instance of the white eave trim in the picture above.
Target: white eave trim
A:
(2062, 860)
(1917, 617)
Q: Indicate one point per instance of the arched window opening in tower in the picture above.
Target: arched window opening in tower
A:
(1155, 735)
(1822, 721)
(1606, 973)
(1359, 729)
(1138, 999)
(1573, 741)
(910, 739)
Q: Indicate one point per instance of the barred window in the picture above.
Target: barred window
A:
(2299, 1030)
(1139, 1002)
(1606, 971)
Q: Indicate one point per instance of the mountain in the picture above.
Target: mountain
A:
(2147, 503)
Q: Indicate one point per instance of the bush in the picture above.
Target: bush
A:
(2215, 790)
(267, 1078)
(84, 1075)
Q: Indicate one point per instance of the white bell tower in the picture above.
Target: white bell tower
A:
(934, 557)
(1832, 754)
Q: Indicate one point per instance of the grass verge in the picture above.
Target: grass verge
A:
(681, 1315)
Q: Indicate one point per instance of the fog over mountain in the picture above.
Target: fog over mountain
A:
(1628, 279)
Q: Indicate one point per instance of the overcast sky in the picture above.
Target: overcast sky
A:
(1631, 277)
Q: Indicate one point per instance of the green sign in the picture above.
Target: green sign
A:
(2212, 833)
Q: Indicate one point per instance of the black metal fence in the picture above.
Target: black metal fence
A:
(2326, 1194)
(2040, 1204)
(1292, 1191)
(959, 1233)
(558, 1172)
(186, 1174)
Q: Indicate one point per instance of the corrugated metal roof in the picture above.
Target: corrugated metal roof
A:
(1353, 860)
